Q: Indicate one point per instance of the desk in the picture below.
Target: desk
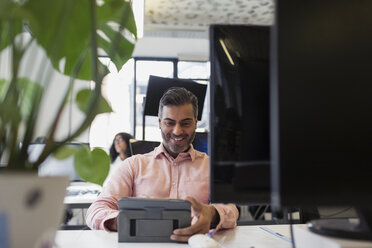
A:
(241, 236)
(80, 195)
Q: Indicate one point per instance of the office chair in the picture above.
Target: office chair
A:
(142, 146)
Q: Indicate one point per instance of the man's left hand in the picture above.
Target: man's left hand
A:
(206, 215)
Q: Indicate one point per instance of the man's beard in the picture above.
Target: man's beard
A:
(175, 148)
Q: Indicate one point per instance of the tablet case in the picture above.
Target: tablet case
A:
(151, 220)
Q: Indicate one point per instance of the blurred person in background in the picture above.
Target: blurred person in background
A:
(119, 151)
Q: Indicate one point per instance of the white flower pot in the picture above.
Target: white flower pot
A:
(31, 209)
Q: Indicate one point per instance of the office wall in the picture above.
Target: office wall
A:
(181, 48)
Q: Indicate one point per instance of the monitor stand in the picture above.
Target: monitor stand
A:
(347, 228)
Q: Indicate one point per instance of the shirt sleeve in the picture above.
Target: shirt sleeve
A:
(229, 215)
(101, 211)
(105, 207)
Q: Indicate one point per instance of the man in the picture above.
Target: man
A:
(173, 170)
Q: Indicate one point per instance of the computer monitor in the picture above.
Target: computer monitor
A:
(158, 85)
(321, 105)
(52, 166)
(239, 114)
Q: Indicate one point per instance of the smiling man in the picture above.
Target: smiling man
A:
(177, 121)
(174, 170)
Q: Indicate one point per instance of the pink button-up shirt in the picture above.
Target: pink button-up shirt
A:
(159, 175)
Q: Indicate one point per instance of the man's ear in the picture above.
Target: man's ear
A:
(159, 121)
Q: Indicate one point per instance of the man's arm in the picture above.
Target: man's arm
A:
(208, 217)
(102, 214)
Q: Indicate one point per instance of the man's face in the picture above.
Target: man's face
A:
(177, 126)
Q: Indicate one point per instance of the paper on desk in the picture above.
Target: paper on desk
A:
(250, 236)
(277, 233)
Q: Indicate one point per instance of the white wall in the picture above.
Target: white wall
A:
(182, 48)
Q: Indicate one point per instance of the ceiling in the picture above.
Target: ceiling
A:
(192, 17)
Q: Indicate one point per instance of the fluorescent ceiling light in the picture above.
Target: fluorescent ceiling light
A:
(226, 52)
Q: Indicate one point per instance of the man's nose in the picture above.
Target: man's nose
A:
(177, 130)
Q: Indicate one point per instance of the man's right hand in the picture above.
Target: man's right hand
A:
(207, 218)
(112, 224)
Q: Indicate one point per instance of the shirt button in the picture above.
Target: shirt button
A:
(175, 164)
(174, 183)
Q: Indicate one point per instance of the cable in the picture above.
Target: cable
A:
(291, 229)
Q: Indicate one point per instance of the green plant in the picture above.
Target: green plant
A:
(69, 31)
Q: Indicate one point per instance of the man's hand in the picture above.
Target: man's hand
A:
(112, 224)
(207, 216)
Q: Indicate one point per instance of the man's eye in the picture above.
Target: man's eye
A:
(186, 124)
(169, 123)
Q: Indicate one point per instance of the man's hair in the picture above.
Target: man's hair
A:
(177, 96)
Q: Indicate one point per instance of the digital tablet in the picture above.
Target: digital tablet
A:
(151, 219)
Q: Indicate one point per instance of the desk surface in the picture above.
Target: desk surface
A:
(242, 236)
(81, 194)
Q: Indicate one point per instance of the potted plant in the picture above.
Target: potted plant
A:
(71, 32)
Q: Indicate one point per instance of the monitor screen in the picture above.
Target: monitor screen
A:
(239, 121)
(321, 104)
(52, 166)
(158, 85)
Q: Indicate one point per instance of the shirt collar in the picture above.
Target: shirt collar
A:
(190, 154)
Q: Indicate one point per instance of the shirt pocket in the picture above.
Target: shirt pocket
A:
(196, 187)
(152, 186)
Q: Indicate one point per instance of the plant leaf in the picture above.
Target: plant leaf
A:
(10, 22)
(62, 28)
(113, 10)
(83, 99)
(18, 110)
(117, 12)
(4, 84)
(92, 166)
(121, 54)
(64, 152)
(29, 91)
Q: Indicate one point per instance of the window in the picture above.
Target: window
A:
(116, 90)
(145, 68)
(194, 70)
(199, 72)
